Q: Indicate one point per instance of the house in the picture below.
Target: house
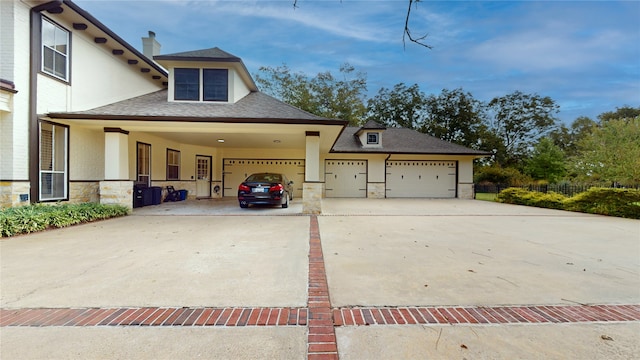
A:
(84, 116)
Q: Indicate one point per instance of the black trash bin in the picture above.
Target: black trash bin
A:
(147, 196)
(138, 195)
(156, 195)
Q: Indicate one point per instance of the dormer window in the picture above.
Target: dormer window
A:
(215, 84)
(373, 138)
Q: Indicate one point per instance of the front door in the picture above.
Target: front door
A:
(203, 176)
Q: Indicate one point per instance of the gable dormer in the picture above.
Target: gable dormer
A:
(370, 134)
(209, 75)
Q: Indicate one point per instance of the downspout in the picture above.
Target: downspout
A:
(34, 68)
(385, 175)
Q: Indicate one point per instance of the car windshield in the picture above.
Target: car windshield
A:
(270, 178)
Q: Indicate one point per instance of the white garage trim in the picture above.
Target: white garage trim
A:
(345, 178)
(234, 171)
(421, 178)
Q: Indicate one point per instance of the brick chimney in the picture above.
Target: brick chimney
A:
(150, 46)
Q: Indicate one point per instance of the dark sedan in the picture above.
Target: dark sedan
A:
(265, 189)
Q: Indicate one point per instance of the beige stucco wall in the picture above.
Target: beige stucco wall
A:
(86, 154)
(97, 77)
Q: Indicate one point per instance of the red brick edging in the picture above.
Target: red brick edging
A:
(317, 316)
(321, 338)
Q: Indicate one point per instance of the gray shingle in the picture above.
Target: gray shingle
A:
(401, 141)
(256, 105)
(212, 54)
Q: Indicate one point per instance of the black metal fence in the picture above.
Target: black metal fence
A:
(566, 189)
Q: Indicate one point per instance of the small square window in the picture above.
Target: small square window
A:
(372, 138)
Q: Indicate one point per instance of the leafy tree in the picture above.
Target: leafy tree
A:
(520, 120)
(625, 112)
(611, 154)
(455, 116)
(495, 174)
(401, 106)
(567, 138)
(546, 162)
(324, 95)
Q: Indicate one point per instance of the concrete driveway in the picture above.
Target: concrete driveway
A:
(361, 259)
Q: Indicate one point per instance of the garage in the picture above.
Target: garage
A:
(345, 178)
(234, 172)
(421, 179)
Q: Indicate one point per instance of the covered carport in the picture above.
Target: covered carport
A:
(257, 133)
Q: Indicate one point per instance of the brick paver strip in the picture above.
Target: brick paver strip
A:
(321, 319)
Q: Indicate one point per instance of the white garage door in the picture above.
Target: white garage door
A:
(345, 178)
(234, 172)
(421, 179)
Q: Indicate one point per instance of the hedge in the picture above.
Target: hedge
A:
(604, 201)
(38, 217)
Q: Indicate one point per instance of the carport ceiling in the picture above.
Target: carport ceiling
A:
(235, 135)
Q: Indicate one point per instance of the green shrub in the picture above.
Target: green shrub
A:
(38, 217)
(520, 196)
(604, 201)
(607, 201)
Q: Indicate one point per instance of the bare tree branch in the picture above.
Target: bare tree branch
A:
(407, 31)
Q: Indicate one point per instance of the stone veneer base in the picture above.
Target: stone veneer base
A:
(117, 192)
(312, 198)
(10, 192)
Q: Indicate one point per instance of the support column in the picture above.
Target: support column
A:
(116, 188)
(312, 187)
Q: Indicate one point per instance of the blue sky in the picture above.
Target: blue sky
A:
(583, 54)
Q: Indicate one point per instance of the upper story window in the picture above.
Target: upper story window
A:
(215, 84)
(373, 138)
(55, 50)
(187, 84)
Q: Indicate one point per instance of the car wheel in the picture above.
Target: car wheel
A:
(286, 202)
(244, 205)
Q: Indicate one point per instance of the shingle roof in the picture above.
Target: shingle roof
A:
(212, 54)
(255, 106)
(401, 141)
(373, 125)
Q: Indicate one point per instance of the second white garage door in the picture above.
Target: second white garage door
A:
(236, 170)
(421, 179)
(345, 178)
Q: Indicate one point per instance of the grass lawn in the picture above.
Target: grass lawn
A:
(486, 196)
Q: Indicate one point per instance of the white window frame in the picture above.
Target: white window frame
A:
(370, 136)
(58, 165)
(55, 51)
(201, 85)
